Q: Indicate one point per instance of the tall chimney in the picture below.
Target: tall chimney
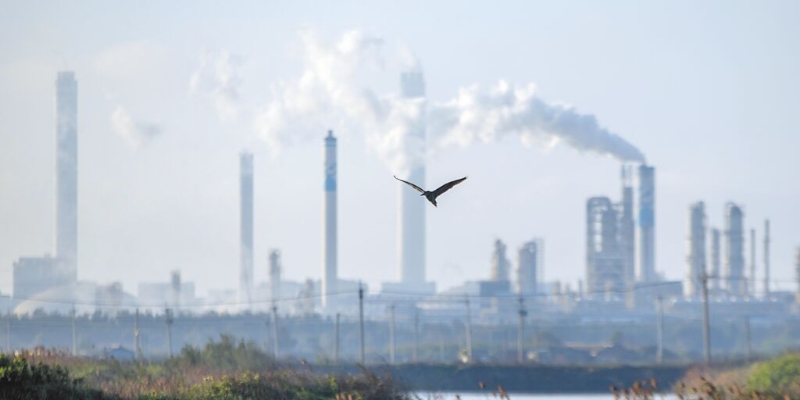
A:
(329, 268)
(752, 286)
(647, 222)
(766, 258)
(628, 227)
(275, 275)
(412, 211)
(175, 288)
(246, 230)
(67, 174)
(797, 272)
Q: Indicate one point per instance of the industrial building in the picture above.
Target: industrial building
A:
(67, 174)
(611, 237)
(246, 230)
(529, 267)
(696, 258)
(34, 275)
(174, 294)
(736, 283)
(605, 260)
(500, 266)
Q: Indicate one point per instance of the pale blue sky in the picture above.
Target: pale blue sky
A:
(706, 90)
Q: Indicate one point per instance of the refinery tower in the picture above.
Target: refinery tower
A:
(647, 224)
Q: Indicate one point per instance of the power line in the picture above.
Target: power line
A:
(440, 297)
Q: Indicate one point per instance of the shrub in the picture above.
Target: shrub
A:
(21, 380)
(780, 375)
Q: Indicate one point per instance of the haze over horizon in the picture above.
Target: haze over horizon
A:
(170, 94)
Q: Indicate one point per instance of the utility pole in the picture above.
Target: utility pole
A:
(766, 258)
(136, 350)
(74, 336)
(361, 321)
(391, 335)
(169, 320)
(441, 349)
(748, 348)
(416, 335)
(336, 341)
(275, 347)
(521, 330)
(660, 334)
(469, 329)
(8, 332)
(706, 328)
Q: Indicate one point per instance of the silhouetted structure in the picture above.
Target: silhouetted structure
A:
(696, 257)
(67, 174)
(647, 224)
(329, 262)
(734, 250)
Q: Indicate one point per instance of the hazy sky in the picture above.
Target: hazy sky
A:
(171, 92)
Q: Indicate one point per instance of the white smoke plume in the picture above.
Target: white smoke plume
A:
(331, 90)
(136, 133)
(485, 115)
(219, 79)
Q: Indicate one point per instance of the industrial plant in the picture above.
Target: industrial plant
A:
(622, 292)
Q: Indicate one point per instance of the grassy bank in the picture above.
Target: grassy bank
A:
(774, 379)
(225, 370)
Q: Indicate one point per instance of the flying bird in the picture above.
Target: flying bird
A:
(431, 196)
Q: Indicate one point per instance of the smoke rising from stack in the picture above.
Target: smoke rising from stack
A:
(332, 87)
(136, 133)
(219, 78)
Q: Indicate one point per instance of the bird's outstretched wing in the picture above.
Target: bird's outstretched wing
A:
(421, 190)
(438, 192)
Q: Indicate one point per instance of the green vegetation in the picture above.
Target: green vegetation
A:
(781, 375)
(21, 380)
(224, 370)
(774, 379)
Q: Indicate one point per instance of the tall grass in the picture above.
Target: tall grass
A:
(224, 369)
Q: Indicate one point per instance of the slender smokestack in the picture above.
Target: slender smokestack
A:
(329, 272)
(647, 222)
(275, 275)
(628, 227)
(766, 258)
(752, 286)
(412, 210)
(67, 174)
(175, 288)
(246, 230)
(797, 272)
